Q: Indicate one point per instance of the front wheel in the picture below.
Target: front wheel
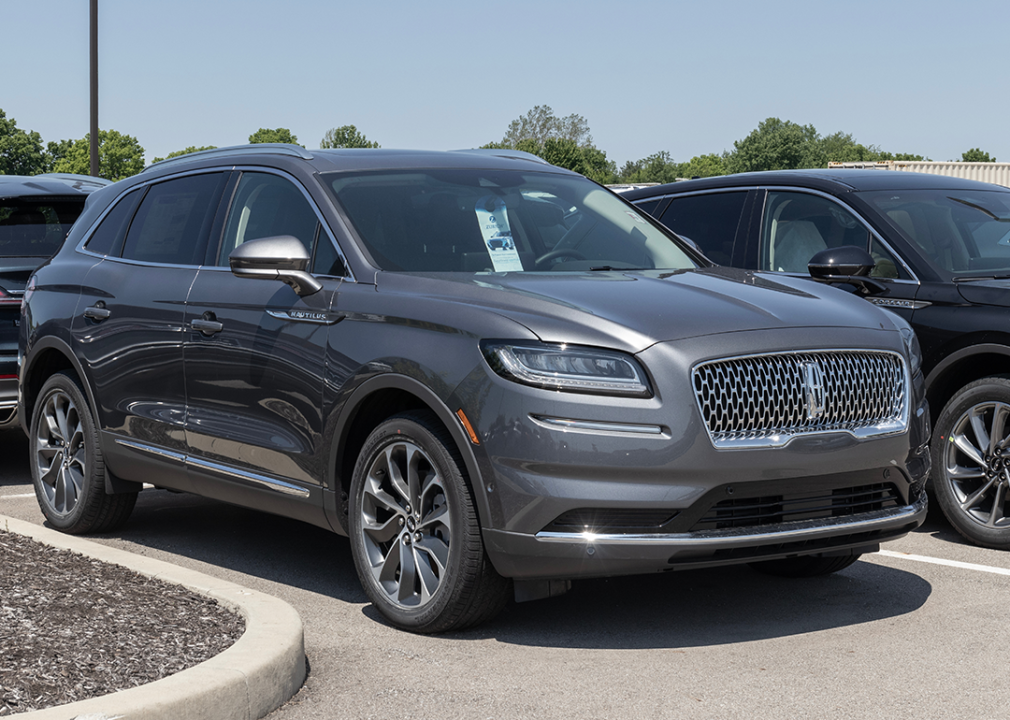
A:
(971, 462)
(68, 471)
(415, 536)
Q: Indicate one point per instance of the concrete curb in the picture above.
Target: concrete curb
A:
(253, 677)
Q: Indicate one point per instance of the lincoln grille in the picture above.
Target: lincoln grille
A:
(766, 400)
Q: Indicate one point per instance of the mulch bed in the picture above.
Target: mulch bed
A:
(73, 628)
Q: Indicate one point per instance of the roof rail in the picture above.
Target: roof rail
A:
(252, 149)
(506, 153)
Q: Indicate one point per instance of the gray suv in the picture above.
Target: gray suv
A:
(329, 335)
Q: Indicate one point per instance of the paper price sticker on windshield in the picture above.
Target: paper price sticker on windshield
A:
(493, 219)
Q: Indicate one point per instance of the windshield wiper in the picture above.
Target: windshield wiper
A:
(606, 268)
(970, 278)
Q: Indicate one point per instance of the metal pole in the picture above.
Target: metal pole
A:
(94, 88)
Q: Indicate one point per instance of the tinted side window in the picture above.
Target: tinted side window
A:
(327, 260)
(797, 225)
(172, 222)
(107, 239)
(709, 220)
(267, 205)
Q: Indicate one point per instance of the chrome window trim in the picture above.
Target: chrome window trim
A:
(782, 532)
(349, 277)
(895, 427)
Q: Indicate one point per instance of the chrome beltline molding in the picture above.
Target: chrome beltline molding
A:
(254, 478)
(784, 532)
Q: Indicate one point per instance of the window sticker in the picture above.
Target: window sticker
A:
(494, 225)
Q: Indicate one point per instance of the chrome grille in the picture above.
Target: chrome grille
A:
(766, 400)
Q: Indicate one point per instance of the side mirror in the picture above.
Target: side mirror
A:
(281, 258)
(846, 260)
(847, 264)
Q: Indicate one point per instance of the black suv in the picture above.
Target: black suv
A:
(940, 248)
(342, 337)
(35, 215)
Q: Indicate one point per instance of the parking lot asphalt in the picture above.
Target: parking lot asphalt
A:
(915, 632)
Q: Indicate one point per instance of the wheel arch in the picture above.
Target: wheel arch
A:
(962, 367)
(48, 357)
(372, 402)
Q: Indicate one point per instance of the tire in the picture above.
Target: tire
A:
(804, 566)
(415, 535)
(68, 470)
(971, 462)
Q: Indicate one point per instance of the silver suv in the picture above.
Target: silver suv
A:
(329, 335)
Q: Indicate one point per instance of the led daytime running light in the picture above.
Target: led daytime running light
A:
(572, 369)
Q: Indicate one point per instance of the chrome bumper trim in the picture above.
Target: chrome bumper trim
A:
(595, 426)
(784, 532)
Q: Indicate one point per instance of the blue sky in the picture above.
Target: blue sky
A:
(686, 77)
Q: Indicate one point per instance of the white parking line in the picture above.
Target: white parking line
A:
(948, 563)
(17, 496)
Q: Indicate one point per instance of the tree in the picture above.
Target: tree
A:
(541, 123)
(345, 136)
(119, 156)
(777, 145)
(703, 166)
(656, 168)
(187, 151)
(976, 155)
(279, 135)
(21, 152)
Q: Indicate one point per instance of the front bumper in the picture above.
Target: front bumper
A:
(554, 555)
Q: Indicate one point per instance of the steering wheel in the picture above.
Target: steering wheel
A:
(559, 252)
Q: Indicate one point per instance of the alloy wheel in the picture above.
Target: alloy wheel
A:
(976, 463)
(61, 453)
(405, 524)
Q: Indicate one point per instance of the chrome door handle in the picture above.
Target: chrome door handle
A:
(207, 327)
(97, 312)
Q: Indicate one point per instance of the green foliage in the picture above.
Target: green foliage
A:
(661, 168)
(187, 151)
(906, 157)
(345, 136)
(777, 145)
(21, 152)
(119, 156)
(976, 155)
(279, 135)
(541, 124)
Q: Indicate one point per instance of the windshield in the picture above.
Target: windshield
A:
(964, 233)
(35, 229)
(463, 220)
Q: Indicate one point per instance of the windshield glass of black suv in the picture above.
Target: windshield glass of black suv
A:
(499, 221)
(963, 232)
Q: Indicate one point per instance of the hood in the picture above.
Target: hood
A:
(634, 310)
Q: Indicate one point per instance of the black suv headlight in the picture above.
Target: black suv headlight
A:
(568, 367)
(911, 342)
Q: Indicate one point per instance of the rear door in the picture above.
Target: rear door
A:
(130, 324)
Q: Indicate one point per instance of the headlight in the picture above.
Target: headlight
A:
(911, 345)
(566, 367)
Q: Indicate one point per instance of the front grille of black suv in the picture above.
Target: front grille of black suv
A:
(774, 509)
(766, 400)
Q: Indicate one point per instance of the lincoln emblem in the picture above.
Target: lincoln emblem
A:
(813, 385)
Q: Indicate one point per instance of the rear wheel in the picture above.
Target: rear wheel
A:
(68, 471)
(415, 535)
(971, 462)
(805, 566)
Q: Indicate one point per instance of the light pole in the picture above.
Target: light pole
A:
(94, 88)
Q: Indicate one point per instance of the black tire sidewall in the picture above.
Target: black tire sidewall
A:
(78, 520)
(436, 614)
(990, 389)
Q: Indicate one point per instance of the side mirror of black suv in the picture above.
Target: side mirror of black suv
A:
(281, 258)
(845, 264)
